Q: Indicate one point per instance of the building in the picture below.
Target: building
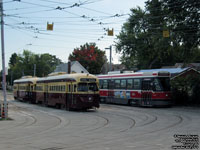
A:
(76, 67)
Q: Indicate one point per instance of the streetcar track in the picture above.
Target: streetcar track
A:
(20, 110)
(105, 124)
(124, 116)
(155, 118)
(58, 125)
(17, 109)
(150, 122)
(170, 126)
(95, 141)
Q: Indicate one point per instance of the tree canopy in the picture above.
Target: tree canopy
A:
(141, 39)
(90, 56)
(23, 64)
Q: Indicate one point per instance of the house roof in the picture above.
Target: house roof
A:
(64, 67)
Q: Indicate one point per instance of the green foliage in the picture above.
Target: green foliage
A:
(23, 64)
(90, 56)
(186, 90)
(141, 40)
(13, 59)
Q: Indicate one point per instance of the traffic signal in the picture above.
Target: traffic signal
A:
(49, 26)
(166, 33)
(110, 32)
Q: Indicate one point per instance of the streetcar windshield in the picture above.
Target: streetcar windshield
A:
(162, 84)
(92, 87)
(85, 87)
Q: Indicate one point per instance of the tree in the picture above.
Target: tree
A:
(90, 56)
(184, 22)
(13, 59)
(141, 40)
(23, 64)
(46, 64)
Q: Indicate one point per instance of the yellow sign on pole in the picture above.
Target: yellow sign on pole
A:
(166, 33)
(50, 26)
(110, 32)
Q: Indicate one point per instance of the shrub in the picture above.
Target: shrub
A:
(186, 90)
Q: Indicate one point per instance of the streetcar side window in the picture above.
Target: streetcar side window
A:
(105, 84)
(130, 84)
(69, 88)
(137, 84)
(74, 88)
(101, 84)
(123, 84)
(111, 84)
(64, 88)
(117, 84)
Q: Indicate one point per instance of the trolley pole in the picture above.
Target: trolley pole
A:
(3, 61)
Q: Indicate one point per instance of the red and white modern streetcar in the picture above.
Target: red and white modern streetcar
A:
(143, 89)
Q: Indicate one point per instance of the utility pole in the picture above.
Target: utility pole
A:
(11, 78)
(34, 70)
(3, 60)
(110, 48)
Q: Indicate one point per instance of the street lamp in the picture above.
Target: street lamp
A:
(110, 48)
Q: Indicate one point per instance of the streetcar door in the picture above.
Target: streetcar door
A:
(146, 98)
(110, 90)
(27, 92)
(31, 93)
(69, 96)
(46, 95)
(17, 91)
(72, 89)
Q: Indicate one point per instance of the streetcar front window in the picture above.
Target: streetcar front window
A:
(165, 83)
(82, 87)
(92, 87)
(161, 84)
(85, 87)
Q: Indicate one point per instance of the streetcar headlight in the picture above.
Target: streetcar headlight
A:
(90, 99)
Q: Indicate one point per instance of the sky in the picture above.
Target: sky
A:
(75, 22)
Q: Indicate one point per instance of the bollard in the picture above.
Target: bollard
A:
(0, 110)
(3, 113)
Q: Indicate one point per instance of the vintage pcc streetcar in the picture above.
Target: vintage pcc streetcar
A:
(143, 89)
(23, 89)
(70, 91)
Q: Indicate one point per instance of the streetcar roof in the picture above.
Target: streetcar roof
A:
(66, 77)
(171, 70)
(26, 80)
(136, 74)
